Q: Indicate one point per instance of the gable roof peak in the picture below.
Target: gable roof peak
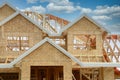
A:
(9, 4)
(79, 18)
(26, 17)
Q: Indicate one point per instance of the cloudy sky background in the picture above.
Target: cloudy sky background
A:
(105, 12)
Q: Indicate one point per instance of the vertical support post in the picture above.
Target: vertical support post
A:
(67, 72)
(25, 71)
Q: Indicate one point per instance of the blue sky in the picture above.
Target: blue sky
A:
(105, 12)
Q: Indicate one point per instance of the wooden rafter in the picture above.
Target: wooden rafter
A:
(61, 21)
(45, 23)
(106, 57)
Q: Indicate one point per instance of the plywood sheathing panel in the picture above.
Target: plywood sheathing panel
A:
(46, 55)
(19, 27)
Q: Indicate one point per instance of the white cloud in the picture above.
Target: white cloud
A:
(102, 17)
(59, 2)
(58, 8)
(102, 10)
(116, 14)
(107, 9)
(85, 10)
(32, 1)
(38, 9)
(64, 6)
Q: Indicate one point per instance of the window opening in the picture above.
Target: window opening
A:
(84, 42)
(59, 41)
(17, 43)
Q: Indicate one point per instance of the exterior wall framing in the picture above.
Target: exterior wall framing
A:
(47, 54)
(44, 58)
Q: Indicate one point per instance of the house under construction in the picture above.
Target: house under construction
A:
(45, 47)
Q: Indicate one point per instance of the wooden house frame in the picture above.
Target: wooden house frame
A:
(29, 51)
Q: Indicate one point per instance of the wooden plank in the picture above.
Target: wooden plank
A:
(105, 56)
(73, 77)
(57, 19)
(87, 76)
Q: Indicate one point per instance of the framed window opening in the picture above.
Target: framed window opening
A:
(84, 41)
(59, 41)
(19, 43)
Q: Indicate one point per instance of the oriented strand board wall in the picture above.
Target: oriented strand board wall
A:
(5, 11)
(108, 73)
(46, 55)
(84, 26)
(19, 26)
